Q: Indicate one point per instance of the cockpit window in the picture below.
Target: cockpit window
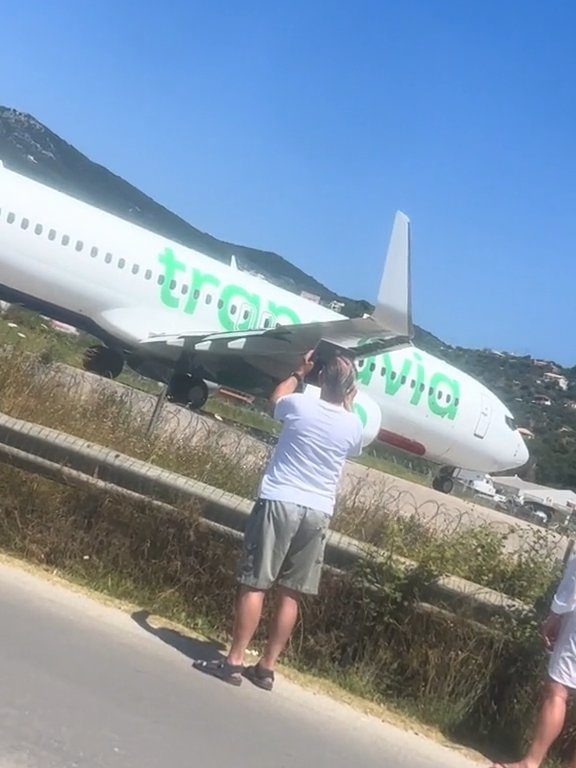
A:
(511, 423)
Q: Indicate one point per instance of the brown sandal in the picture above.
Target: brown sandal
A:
(221, 669)
(262, 678)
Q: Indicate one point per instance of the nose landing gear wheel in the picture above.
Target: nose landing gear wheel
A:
(443, 484)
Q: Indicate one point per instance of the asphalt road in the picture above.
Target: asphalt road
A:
(86, 685)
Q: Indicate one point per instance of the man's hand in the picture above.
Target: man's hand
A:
(550, 630)
(289, 385)
(306, 364)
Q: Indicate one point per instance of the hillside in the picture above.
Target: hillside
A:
(31, 148)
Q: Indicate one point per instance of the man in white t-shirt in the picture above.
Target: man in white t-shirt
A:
(559, 635)
(286, 533)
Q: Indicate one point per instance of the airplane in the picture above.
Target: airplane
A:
(182, 318)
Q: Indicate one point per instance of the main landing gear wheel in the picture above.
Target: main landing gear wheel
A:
(103, 361)
(187, 390)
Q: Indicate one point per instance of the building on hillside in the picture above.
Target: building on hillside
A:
(336, 306)
(555, 378)
(310, 297)
(526, 433)
(541, 400)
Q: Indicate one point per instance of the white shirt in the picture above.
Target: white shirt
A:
(562, 662)
(315, 441)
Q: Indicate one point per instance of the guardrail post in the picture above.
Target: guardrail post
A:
(160, 400)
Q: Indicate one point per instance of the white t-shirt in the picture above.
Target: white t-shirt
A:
(315, 441)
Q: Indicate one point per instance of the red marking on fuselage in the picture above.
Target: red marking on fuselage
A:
(399, 441)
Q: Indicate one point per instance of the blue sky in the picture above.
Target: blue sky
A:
(301, 127)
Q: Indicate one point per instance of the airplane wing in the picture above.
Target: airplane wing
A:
(274, 352)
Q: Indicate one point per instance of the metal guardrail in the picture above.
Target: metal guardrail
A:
(68, 459)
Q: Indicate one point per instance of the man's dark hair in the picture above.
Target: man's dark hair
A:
(338, 377)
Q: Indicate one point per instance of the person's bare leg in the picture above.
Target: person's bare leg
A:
(246, 620)
(281, 627)
(548, 727)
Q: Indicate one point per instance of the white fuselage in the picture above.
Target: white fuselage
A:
(130, 283)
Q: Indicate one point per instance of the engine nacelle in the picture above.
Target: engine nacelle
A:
(367, 410)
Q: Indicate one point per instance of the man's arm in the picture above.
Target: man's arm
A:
(564, 602)
(291, 384)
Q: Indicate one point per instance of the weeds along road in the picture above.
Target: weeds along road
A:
(87, 686)
(368, 490)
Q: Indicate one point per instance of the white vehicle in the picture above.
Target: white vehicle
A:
(178, 316)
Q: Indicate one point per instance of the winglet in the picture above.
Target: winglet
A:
(394, 304)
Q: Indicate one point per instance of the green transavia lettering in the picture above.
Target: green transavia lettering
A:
(237, 309)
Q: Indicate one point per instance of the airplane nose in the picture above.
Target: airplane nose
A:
(521, 453)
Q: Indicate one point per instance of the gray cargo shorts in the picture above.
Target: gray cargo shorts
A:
(283, 544)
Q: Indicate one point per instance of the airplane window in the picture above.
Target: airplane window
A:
(431, 391)
(457, 402)
(511, 423)
(233, 309)
(24, 223)
(79, 245)
(161, 279)
(196, 293)
(220, 303)
(413, 384)
(11, 218)
(38, 229)
(383, 371)
(135, 269)
(245, 315)
(372, 367)
(94, 252)
(52, 234)
(208, 298)
(184, 289)
(393, 375)
(448, 398)
(148, 274)
(439, 394)
(65, 239)
(361, 363)
(108, 258)
(403, 379)
(121, 263)
(422, 387)
(267, 323)
(172, 285)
